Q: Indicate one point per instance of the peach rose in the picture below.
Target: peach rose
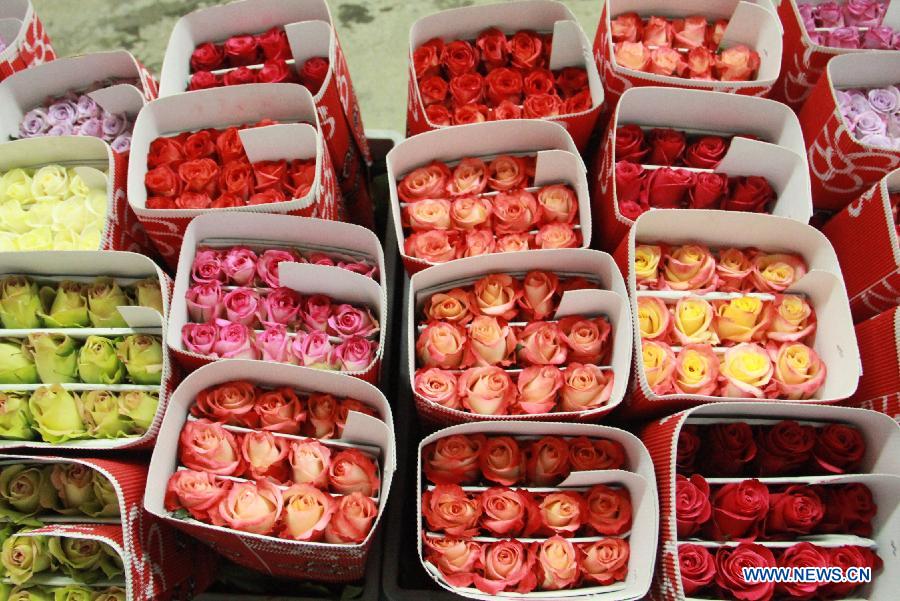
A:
(449, 509)
(585, 387)
(323, 413)
(352, 520)
(504, 511)
(250, 507)
(541, 343)
(539, 289)
(654, 318)
(497, 295)
(538, 387)
(208, 447)
(490, 342)
(690, 32)
(307, 510)
(454, 558)
(776, 273)
(700, 62)
(605, 561)
(231, 402)
(513, 243)
(632, 55)
(556, 235)
(438, 386)
(658, 361)
(557, 564)
(507, 565)
(608, 510)
(586, 338)
(346, 407)
(428, 214)
(429, 181)
(742, 319)
(738, 63)
(487, 390)
(309, 460)
(265, 456)
(732, 269)
(501, 460)
(646, 265)
(441, 344)
(477, 243)
(799, 371)
(790, 319)
(548, 461)
(507, 173)
(454, 459)
(627, 27)
(470, 212)
(689, 267)
(352, 471)
(515, 212)
(563, 512)
(586, 454)
(666, 61)
(558, 202)
(435, 246)
(198, 492)
(469, 177)
(696, 370)
(693, 321)
(658, 31)
(745, 371)
(453, 306)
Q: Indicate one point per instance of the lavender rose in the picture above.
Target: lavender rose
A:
(87, 108)
(879, 141)
(62, 111)
(113, 125)
(34, 123)
(884, 100)
(61, 129)
(91, 127)
(868, 123)
(122, 143)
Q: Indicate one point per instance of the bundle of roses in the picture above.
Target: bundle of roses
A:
(769, 450)
(718, 574)
(32, 493)
(496, 77)
(260, 58)
(872, 116)
(209, 169)
(688, 48)
(477, 459)
(851, 24)
(24, 558)
(479, 208)
(25, 304)
(669, 147)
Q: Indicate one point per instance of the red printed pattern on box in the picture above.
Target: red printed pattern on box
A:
(35, 49)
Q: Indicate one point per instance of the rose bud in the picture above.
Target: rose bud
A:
(732, 270)
(267, 265)
(140, 407)
(738, 63)
(505, 511)
(557, 564)
(689, 267)
(585, 387)
(55, 357)
(347, 321)
(586, 338)
(352, 520)
(627, 27)
(548, 462)
(323, 410)
(250, 507)
(839, 448)
(791, 319)
(706, 153)
(239, 266)
(204, 80)
(632, 55)
(629, 181)
(15, 417)
(563, 512)
(696, 566)
(17, 363)
(68, 306)
(424, 182)
(101, 415)
(478, 242)
(448, 509)
(796, 511)
(20, 303)
(24, 556)
(142, 356)
(777, 272)
(692, 321)
(454, 558)
(243, 306)
(731, 448)
(265, 456)
(315, 311)
(690, 32)
(667, 188)
(739, 511)
(435, 246)
(204, 302)
(241, 50)
(207, 267)
(496, 295)
(314, 350)
(658, 361)
(441, 344)
(700, 62)
(281, 306)
(605, 561)
(654, 319)
(741, 319)
(163, 181)
(454, 459)
(687, 448)
(207, 446)
(696, 370)
(104, 297)
(585, 454)
(231, 402)
(525, 50)
(352, 471)
(783, 448)
(470, 113)
(307, 511)
(207, 57)
(801, 555)
(666, 61)
(538, 387)
(608, 510)
(515, 212)
(692, 507)
(20, 491)
(490, 342)
(540, 106)
(199, 338)
(666, 146)
(558, 203)
(428, 214)
(538, 295)
(507, 173)
(500, 460)
(746, 371)
(71, 487)
(731, 563)
(542, 343)
(486, 390)
(452, 306)
(438, 386)
(197, 492)
(646, 265)
(629, 144)
(310, 461)
(76, 555)
(658, 32)
(799, 372)
(277, 71)
(708, 191)
(426, 61)
(750, 194)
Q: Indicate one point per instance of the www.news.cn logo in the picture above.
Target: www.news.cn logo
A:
(807, 574)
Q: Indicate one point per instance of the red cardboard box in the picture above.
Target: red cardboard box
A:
(879, 347)
(27, 44)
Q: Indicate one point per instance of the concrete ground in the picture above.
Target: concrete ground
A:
(374, 34)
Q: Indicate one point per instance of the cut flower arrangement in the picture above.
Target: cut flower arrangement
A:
(872, 116)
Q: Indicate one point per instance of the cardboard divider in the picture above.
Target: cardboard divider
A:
(28, 45)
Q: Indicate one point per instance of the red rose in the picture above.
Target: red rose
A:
(274, 44)
(739, 510)
(467, 88)
(708, 191)
(796, 511)
(240, 76)
(193, 200)
(433, 89)
(207, 57)
(630, 143)
(459, 57)
(666, 146)
(267, 197)
(849, 509)
(542, 105)
(438, 114)
(548, 461)
(162, 181)
(270, 175)
(630, 178)
(697, 568)
(750, 194)
(730, 563)
(504, 84)
(426, 61)
(539, 81)
(526, 50)
(199, 145)
(586, 454)
(608, 510)
(229, 146)
(242, 50)
(492, 44)
(501, 461)
(506, 110)
(203, 80)
(579, 103)
(164, 151)
(688, 445)
(275, 71)
(226, 200)
(161, 202)
(199, 175)
(730, 448)
(706, 152)
(302, 175)
(666, 188)
(846, 557)
(470, 113)
(314, 72)
(236, 178)
(783, 448)
(631, 210)
(572, 80)
(692, 508)
(799, 556)
(839, 448)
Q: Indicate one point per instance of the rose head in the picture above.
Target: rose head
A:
(453, 459)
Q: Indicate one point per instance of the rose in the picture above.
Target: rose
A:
(140, 407)
(538, 388)
(235, 341)
(538, 294)
(687, 448)
(557, 565)
(667, 188)
(741, 319)
(791, 319)
(731, 448)
(542, 343)
(280, 410)
(20, 304)
(646, 265)
(452, 306)
(563, 512)
(204, 302)
(666, 146)
(198, 492)
(845, 557)
(277, 71)
(863, 13)
(301, 175)
(24, 556)
(783, 448)
(556, 235)
(68, 307)
(513, 243)
(507, 565)
(849, 509)
(459, 57)
(525, 50)
(547, 461)
(453, 459)
(496, 295)
(441, 344)
(608, 510)
(360, 267)
(314, 72)
(572, 80)
(433, 89)
(586, 454)
(799, 372)
(700, 61)
(448, 509)
(428, 214)
(274, 44)
(796, 511)
(692, 506)
(665, 61)
(20, 491)
(696, 566)
(690, 32)
(709, 189)
(558, 203)
(732, 270)
(438, 386)
(586, 338)
(352, 471)
(515, 212)
(500, 460)
(730, 565)
(282, 306)
(113, 593)
(537, 82)
(542, 105)
(506, 109)
(467, 88)
(605, 561)
(101, 415)
(274, 344)
(493, 48)
(17, 363)
(658, 361)
(839, 448)
(323, 410)
(71, 592)
(199, 338)
(193, 200)
(309, 461)
(352, 519)
(776, 272)
(706, 152)
(658, 31)
(435, 246)
(829, 14)
(470, 212)
(15, 417)
(50, 183)
(307, 511)
(199, 175)
(264, 456)
(486, 390)
(203, 80)
(507, 173)
(738, 63)
(746, 371)
(55, 414)
(696, 370)
(426, 61)
(751, 194)
(199, 145)
(692, 321)
(241, 50)
(504, 511)
(142, 356)
(454, 558)
(629, 144)
(801, 555)
(469, 177)
(739, 510)
(629, 181)
(207, 267)
(884, 100)
(585, 387)
(627, 27)
(250, 507)
(632, 55)
(207, 446)
(236, 178)
(315, 311)
(270, 175)
(489, 342)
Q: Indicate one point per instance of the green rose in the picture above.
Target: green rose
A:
(73, 592)
(20, 492)
(98, 362)
(20, 303)
(74, 487)
(113, 593)
(55, 356)
(16, 363)
(104, 297)
(24, 556)
(68, 305)
(15, 417)
(33, 593)
(83, 559)
(100, 413)
(107, 504)
(140, 406)
(147, 293)
(55, 413)
(143, 358)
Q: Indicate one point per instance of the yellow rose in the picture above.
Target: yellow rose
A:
(799, 371)
(791, 319)
(98, 203)
(89, 238)
(77, 186)
(654, 318)
(733, 268)
(659, 363)
(693, 321)
(13, 218)
(775, 273)
(40, 238)
(39, 214)
(646, 264)
(747, 370)
(689, 267)
(697, 370)
(50, 183)
(16, 185)
(741, 319)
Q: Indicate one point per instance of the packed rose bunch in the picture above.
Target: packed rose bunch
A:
(718, 573)
(26, 305)
(480, 207)
(31, 492)
(849, 24)
(688, 48)
(24, 558)
(70, 592)
(784, 448)
(506, 461)
(872, 115)
(496, 77)
(209, 169)
(695, 268)
(77, 114)
(50, 208)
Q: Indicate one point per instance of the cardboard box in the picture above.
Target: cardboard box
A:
(571, 48)
(279, 557)
(835, 341)
(610, 300)
(276, 231)
(840, 167)
(879, 471)
(777, 153)
(27, 44)
(864, 236)
(557, 161)
(85, 266)
(879, 347)
(310, 30)
(751, 23)
(298, 135)
(637, 477)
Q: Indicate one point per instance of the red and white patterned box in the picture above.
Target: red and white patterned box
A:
(257, 230)
(609, 299)
(752, 24)
(269, 555)
(297, 135)
(310, 30)
(571, 48)
(775, 151)
(840, 167)
(879, 470)
(27, 44)
(160, 562)
(835, 341)
(864, 236)
(879, 347)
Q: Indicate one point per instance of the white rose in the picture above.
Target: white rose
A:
(50, 183)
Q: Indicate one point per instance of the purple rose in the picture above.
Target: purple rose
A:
(91, 127)
(113, 125)
(878, 141)
(884, 100)
(878, 38)
(855, 103)
(844, 37)
(61, 129)
(868, 123)
(87, 108)
(829, 15)
(62, 111)
(863, 13)
(122, 143)
(34, 123)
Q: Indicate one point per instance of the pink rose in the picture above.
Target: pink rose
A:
(490, 342)
(243, 306)
(441, 344)
(274, 344)
(478, 242)
(199, 338)
(207, 267)
(307, 511)
(347, 321)
(235, 341)
(267, 266)
(250, 507)
(352, 471)
(198, 492)
(360, 267)
(585, 387)
(541, 343)
(508, 565)
(486, 390)
(320, 259)
(281, 306)
(310, 461)
(539, 387)
(265, 456)
(557, 564)
(323, 410)
(204, 302)
(316, 311)
(355, 353)
(239, 265)
(438, 386)
(538, 300)
(314, 349)
(208, 447)
(352, 519)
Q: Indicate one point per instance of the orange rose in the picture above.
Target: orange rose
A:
(469, 177)
(450, 510)
(557, 564)
(507, 173)
(487, 390)
(658, 32)
(470, 212)
(441, 344)
(632, 55)
(628, 27)
(513, 243)
(490, 342)
(425, 182)
(732, 269)
(666, 61)
(428, 214)
(541, 343)
(352, 471)
(790, 319)
(556, 235)
(504, 511)
(738, 63)
(496, 295)
(689, 267)
(585, 387)
(690, 32)
(501, 460)
(249, 507)
(659, 365)
(507, 565)
(323, 413)
(548, 461)
(538, 387)
(515, 212)
(454, 459)
(608, 510)
(477, 243)
(453, 306)
(454, 558)
(558, 202)
(307, 510)
(699, 63)
(309, 461)
(563, 512)
(438, 386)
(605, 561)
(352, 520)
(538, 295)
(741, 319)
(654, 318)
(799, 371)
(435, 246)
(776, 273)
(586, 338)
(265, 456)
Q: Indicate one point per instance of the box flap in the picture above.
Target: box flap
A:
(308, 39)
(120, 98)
(287, 141)
(869, 69)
